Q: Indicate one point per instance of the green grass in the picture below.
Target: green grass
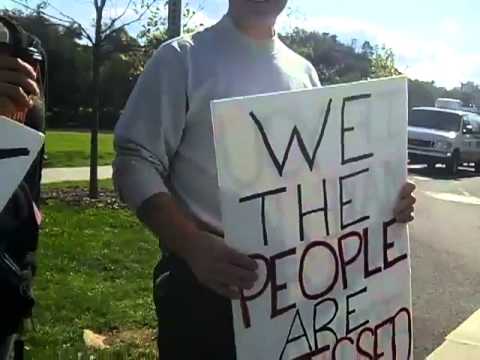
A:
(95, 269)
(72, 149)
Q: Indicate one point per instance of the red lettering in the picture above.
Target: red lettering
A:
(245, 299)
(341, 340)
(301, 280)
(360, 349)
(275, 287)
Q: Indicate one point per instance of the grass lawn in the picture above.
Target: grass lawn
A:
(95, 267)
(70, 149)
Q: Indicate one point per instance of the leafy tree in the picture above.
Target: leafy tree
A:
(334, 61)
(154, 32)
(103, 30)
(382, 62)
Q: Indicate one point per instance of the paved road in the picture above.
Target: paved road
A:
(445, 241)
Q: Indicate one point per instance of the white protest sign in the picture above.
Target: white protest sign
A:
(19, 145)
(308, 182)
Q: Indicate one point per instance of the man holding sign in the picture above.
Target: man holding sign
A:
(166, 169)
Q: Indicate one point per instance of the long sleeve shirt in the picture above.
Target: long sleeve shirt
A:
(164, 140)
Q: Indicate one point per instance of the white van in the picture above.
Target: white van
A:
(444, 136)
(452, 104)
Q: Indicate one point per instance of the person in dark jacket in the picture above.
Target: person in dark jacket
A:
(22, 98)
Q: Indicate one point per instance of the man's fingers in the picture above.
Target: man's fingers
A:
(226, 291)
(19, 79)
(16, 94)
(11, 63)
(405, 208)
(408, 189)
(236, 276)
(405, 217)
(241, 260)
(405, 204)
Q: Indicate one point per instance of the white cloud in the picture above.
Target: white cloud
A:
(439, 57)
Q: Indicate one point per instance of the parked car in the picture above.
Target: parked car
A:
(450, 137)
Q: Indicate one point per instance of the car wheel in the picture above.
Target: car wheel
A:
(453, 163)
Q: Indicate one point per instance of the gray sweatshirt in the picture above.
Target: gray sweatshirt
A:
(164, 141)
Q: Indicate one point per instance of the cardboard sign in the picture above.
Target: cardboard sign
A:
(19, 145)
(308, 181)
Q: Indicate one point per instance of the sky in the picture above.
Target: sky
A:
(433, 40)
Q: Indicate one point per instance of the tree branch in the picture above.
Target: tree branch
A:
(102, 4)
(119, 17)
(66, 18)
(201, 7)
(108, 31)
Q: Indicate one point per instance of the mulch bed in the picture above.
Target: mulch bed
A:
(78, 196)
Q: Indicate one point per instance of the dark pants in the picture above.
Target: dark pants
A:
(6, 347)
(193, 321)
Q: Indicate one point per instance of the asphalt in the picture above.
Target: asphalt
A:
(445, 249)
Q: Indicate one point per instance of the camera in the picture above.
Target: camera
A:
(16, 42)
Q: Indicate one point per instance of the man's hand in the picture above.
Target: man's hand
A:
(216, 265)
(405, 206)
(17, 83)
(219, 267)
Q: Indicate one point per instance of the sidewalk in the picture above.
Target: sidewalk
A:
(461, 344)
(53, 175)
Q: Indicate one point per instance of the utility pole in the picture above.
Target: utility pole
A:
(175, 11)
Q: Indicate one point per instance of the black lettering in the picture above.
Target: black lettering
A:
(387, 263)
(302, 214)
(366, 257)
(303, 335)
(344, 203)
(345, 130)
(295, 134)
(353, 311)
(344, 263)
(262, 196)
(325, 327)
(13, 153)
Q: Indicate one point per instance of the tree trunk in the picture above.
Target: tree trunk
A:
(175, 10)
(93, 190)
(96, 63)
